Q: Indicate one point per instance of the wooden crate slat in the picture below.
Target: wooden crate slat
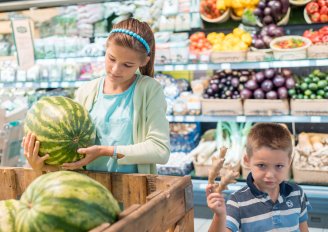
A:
(8, 188)
(134, 190)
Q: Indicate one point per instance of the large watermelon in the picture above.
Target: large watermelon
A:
(62, 126)
(8, 210)
(65, 201)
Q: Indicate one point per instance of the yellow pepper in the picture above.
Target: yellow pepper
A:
(220, 5)
(238, 32)
(228, 3)
(236, 4)
(247, 39)
(238, 11)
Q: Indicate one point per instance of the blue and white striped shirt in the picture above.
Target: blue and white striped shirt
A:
(249, 209)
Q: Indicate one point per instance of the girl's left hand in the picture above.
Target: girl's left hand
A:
(91, 153)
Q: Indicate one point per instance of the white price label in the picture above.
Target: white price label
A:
(190, 118)
(263, 65)
(315, 119)
(303, 63)
(65, 84)
(179, 67)
(19, 85)
(54, 84)
(226, 66)
(29, 84)
(178, 118)
(169, 118)
(191, 67)
(241, 118)
(44, 85)
(168, 68)
(202, 67)
(322, 62)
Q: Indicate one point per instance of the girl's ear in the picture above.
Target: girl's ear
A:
(143, 64)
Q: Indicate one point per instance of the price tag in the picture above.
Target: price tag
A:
(322, 62)
(44, 85)
(190, 118)
(29, 84)
(302, 63)
(54, 84)
(179, 67)
(241, 118)
(169, 118)
(178, 118)
(65, 84)
(226, 66)
(202, 67)
(315, 119)
(263, 65)
(191, 67)
(19, 85)
(168, 68)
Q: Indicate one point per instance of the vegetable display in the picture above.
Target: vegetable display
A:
(317, 37)
(317, 11)
(271, 11)
(262, 39)
(62, 126)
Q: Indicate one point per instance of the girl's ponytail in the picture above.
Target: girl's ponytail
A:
(148, 70)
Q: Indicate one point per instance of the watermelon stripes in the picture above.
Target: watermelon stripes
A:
(65, 201)
(7, 215)
(62, 126)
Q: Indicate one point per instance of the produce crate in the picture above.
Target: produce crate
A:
(151, 202)
(202, 170)
(233, 56)
(222, 106)
(318, 51)
(266, 107)
(309, 107)
(308, 175)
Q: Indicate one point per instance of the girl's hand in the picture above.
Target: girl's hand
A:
(215, 201)
(91, 153)
(31, 152)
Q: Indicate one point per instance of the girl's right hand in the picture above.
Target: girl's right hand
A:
(31, 152)
(215, 201)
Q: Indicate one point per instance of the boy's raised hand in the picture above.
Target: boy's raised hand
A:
(215, 201)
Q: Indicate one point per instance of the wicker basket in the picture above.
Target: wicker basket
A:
(283, 21)
(223, 18)
(235, 17)
(306, 17)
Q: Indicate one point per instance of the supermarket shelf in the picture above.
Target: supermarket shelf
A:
(61, 84)
(245, 65)
(241, 118)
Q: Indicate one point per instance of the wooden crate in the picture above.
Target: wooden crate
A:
(318, 51)
(266, 107)
(309, 107)
(222, 107)
(151, 202)
(225, 56)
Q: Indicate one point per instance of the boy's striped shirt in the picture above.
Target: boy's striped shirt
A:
(249, 209)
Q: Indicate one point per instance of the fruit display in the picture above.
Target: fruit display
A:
(237, 6)
(289, 43)
(269, 84)
(271, 11)
(262, 39)
(227, 84)
(317, 37)
(65, 201)
(62, 126)
(209, 10)
(8, 210)
(313, 86)
(317, 11)
(199, 43)
(238, 40)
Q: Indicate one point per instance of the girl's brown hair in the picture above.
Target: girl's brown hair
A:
(142, 29)
(270, 135)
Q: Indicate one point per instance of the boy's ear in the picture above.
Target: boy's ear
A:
(246, 160)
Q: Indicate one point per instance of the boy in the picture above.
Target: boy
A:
(267, 202)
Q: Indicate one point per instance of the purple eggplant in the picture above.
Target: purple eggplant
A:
(251, 85)
(278, 80)
(269, 73)
(259, 94)
(267, 85)
(282, 92)
(246, 94)
(290, 83)
(271, 95)
(259, 77)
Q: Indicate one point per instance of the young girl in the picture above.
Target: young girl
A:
(127, 106)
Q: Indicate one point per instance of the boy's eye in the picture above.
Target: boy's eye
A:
(260, 165)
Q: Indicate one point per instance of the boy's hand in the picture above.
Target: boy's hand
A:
(31, 152)
(215, 201)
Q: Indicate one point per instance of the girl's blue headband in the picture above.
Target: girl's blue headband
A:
(134, 35)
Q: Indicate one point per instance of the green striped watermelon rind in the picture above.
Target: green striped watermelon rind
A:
(62, 126)
(8, 210)
(65, 201)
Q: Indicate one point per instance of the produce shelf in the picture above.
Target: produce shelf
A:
(285, 119)
(53, 84)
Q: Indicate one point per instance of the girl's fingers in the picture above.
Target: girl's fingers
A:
(36, 149)
(45, 157)
(31, 145)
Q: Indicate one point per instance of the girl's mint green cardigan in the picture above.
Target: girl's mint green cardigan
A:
(150, 126)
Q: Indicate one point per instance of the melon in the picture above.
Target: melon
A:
(8, 210)
(65, 201)
(62, 126)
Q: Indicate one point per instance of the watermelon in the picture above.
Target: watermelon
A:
(65, 201)
(7, 215)
(62, 126)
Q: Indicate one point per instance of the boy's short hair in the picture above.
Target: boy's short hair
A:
(270, 135)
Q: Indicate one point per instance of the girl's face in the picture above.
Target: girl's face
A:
(269, 168)
(121, 63)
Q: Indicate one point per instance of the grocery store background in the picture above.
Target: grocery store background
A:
(223, 65)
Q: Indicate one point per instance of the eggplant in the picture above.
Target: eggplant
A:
(267, 20)
(282, 92)
(276, 8)
(286, 72)
(278, 31)
(278, 80)
(259, 94)
(251, 85)
(259, 44)
(214, 87)
(261, 5)
(290, 83)
(246, 94)
(269, 73)
(235, 82)
(271, 95)
(267, 85)
(258, 12)
(284, 6)
(259, 77)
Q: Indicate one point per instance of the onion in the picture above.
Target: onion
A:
(259, 77)
(259, 94)
(269, 73)
(278, 80)
(271, 95)
(267, 85)
(235, 82)
(283, 92)
(251, 84)
(246, 94)
(286, 72)
(290, 83)
(267, 20)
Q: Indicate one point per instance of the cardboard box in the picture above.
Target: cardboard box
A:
(219, 57)
(318, 51)
(309, 107)
(266, 107)
(222, 106)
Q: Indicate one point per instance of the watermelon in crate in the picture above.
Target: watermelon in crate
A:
(62, 126)
(8, 210)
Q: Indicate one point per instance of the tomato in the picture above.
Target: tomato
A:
(323, 30)
(324, 10)
(315, 17)
(312, 7)
(324, 18)
(325, 38)
(321, 3)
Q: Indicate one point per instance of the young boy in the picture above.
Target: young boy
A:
(267, 202)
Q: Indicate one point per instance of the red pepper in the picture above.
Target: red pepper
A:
(323, 18)
(323, 30)
(325, 38)
(312, 7)
(322, 3)
(324, 10)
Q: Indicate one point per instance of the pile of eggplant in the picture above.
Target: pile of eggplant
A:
(262, 39)
(271, 11)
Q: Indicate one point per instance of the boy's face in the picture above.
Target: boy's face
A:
(269, 168)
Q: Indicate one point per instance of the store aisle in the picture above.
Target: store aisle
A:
(202, 225)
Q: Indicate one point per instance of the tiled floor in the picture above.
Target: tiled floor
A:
(202, 225)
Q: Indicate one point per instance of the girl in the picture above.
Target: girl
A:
(127, 106)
